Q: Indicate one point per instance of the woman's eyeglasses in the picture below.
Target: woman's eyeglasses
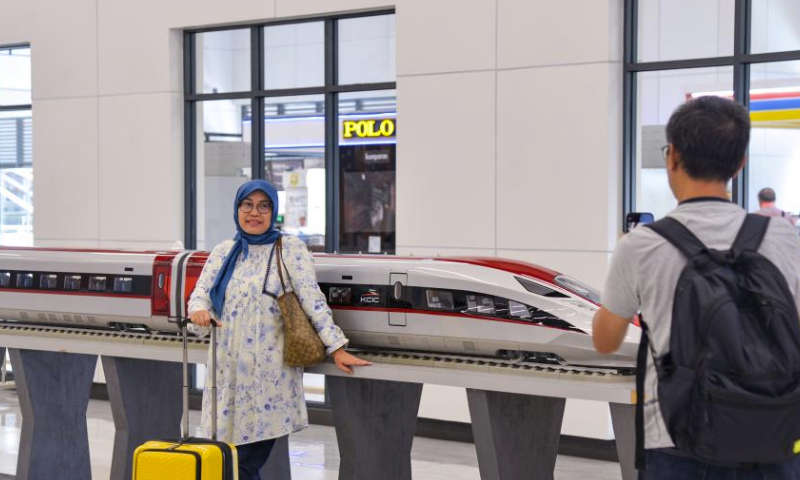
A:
(262, 208)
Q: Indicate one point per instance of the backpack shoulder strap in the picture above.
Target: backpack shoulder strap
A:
(751, 234)
(678, 235)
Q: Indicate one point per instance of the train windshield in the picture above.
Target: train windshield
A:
(580, 289)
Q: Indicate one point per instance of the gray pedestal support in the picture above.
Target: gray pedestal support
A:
(516, 436)
(375, 422)
(145, 398)
(623, 421)
(53, 390)
(277, 466)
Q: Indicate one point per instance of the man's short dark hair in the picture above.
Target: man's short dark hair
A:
(711, 135)
(766, 195)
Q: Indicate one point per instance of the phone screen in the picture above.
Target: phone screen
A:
(634, 219)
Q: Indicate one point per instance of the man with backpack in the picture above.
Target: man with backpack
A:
(718, 294)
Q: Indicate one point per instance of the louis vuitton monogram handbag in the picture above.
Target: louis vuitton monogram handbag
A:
(302, 346)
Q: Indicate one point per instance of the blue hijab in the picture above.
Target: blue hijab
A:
(242, 239)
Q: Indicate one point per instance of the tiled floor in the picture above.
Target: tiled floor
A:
(314, 453)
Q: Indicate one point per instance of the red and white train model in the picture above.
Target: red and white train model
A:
(467, 306)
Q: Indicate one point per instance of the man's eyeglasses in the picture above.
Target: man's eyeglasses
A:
(262, 208)
(664, 151)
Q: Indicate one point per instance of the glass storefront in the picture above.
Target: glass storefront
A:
(368, 160)
(16, 147)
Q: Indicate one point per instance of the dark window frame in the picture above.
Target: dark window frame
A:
(741, 60)
(330, 90)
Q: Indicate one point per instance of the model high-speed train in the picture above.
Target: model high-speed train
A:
(473, 306)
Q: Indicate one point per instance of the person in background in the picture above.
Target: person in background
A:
(767, 208)
(259, 398)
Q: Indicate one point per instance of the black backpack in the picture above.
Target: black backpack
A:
(729, 386)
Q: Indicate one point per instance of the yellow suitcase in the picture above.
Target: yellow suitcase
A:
(188, 458)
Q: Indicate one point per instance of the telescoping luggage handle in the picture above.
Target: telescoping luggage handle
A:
(185, 424)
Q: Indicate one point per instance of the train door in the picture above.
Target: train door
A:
(397, 299)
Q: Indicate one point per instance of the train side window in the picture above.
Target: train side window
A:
(518, 310)
(439, 299)
(97, 283)
(25, 280)
(123, 284)
(480, 305)
(340, 295)
(48, 281)
(5, 279)
(72, 282)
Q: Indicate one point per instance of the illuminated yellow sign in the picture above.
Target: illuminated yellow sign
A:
(368, 128)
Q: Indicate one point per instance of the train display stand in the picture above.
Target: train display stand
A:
(623, 418)
(375, 422)
(53, 390)
(516, 417)
(277, 466)
(516, 436)
(138, 390)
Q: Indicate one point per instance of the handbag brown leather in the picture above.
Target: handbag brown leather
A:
(302, 346)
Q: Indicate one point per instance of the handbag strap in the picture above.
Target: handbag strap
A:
(279, 247)
(266, 275)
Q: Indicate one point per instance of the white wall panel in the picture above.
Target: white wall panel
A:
(66, 197)
(558, 157)
(587, 418)
(444, 403)
(445, 172)
(297, 8)
(140, 175)
(445, 252)
(16, 22)
(588, 267)
(61, 243)
(582, 418)
(64, 58)
(194, 13)
(445, 36)
(543, 32)
(136, 53)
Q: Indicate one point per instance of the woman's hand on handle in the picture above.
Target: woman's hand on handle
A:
(201, 318)
(344, 361)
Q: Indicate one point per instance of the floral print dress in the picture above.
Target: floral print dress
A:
(258, 397)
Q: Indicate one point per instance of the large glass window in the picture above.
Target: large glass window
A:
(313, 110)
(294, 55)
(16, 147)
(279, 113)
(775, 25)
(660, 93)
(223, 61)
(222, 163)
(775, 135)
(294, 161)
(677, 29)
(742, 49)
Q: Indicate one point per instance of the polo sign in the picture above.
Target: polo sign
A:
(370, 128)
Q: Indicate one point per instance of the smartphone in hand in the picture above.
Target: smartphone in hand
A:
(634, 219)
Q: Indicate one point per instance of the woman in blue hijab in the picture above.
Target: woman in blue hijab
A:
(259, 398)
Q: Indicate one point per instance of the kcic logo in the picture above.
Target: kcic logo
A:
(372, 296)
